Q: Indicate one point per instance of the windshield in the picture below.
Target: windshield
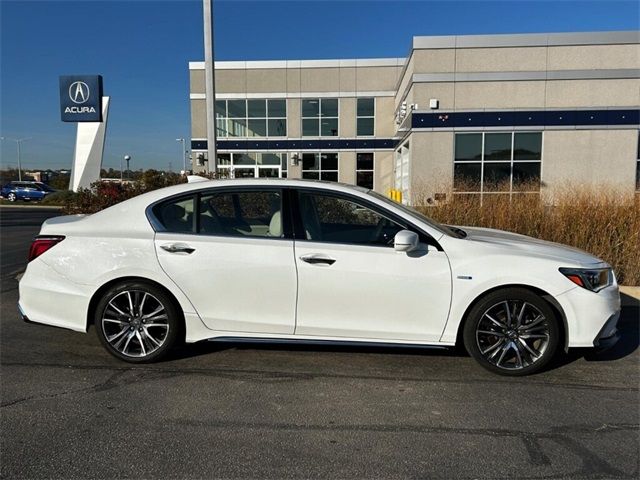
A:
(45, 187)
(412, 212)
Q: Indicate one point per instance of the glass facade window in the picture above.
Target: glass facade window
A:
(500, 162)
(364, 170)
(320, 117)
(320, 166)
(365, 116)
(252, 165)
(251, 118)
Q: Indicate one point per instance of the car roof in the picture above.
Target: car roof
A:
(262, 182)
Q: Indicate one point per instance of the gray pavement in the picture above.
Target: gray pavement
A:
(69, 410)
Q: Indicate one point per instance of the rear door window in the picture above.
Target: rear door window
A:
(242, 214)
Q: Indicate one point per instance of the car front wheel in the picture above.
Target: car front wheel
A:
(137, 322)
(12, 197)
(512, 332)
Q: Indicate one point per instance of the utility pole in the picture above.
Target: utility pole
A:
(18, 143)
(210, 85)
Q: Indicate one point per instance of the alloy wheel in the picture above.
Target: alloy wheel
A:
(11, 197)
(135, 323)
(512, 334)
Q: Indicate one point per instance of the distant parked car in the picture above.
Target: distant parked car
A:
(27, 191)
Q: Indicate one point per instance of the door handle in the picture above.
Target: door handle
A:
(177, 248)
(316, 259)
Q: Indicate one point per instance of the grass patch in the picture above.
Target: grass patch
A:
(601, 221)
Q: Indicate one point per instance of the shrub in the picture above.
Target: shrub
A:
(102, 195)
(601, 221)
(61, 197)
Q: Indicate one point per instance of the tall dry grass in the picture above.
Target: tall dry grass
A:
(601, 221)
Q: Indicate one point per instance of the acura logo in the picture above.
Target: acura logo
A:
(79, 92)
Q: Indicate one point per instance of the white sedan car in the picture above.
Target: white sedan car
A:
(300, 261)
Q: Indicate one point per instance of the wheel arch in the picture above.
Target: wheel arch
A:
(553, 303)
(95, 298)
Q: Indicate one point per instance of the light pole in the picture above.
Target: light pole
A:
(18, 143)
(184, 154)
(210, 85)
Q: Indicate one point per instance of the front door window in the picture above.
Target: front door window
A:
(333, 219)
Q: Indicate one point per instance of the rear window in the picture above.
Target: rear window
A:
(176, 215)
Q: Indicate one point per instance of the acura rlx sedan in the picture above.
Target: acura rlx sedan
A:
(305, 261)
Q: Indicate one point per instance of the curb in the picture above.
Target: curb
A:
(630, 291)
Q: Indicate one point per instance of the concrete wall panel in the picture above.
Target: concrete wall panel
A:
(431, 165)
(198, 119)
(294, 122)
(376, 78)
(385, 120)
(196, 81)
(587, 57)
(231, 81)
(578, 157)
(320, 79)
(383, 172)
(469, 95)
(501, 59)
(593, 93)
(347, 167)
(423, 92)
(347, 123)
(434, 61)
(266, 80)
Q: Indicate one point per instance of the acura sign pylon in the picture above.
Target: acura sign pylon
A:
(81, 102)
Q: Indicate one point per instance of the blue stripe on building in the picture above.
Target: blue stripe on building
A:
(533, 118)
(337, 144)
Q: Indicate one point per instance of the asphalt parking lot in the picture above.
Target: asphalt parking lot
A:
(69, 410)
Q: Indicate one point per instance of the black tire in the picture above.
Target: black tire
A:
(140, 348)
(518, 350)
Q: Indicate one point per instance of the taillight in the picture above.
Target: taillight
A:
(41, 245)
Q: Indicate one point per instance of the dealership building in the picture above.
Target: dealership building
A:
(469, 115)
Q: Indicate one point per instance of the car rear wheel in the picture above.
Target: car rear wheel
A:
(137, 322)
(11, 197)
(512, 332)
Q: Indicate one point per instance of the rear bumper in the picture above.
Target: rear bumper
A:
(49, 298)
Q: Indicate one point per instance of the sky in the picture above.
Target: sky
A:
(142, 49)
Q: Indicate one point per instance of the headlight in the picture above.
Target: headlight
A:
(594, 279)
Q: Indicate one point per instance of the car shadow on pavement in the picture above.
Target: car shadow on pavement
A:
(207, 347)
(628, 325)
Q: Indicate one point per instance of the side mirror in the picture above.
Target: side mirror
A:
(405, 241)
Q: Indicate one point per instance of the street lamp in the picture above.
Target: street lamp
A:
(18, 143)
(184, 154)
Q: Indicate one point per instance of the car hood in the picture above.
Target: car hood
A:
(529, 246)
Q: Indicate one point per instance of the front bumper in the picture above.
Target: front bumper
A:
(609, 335)
(591, 317)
